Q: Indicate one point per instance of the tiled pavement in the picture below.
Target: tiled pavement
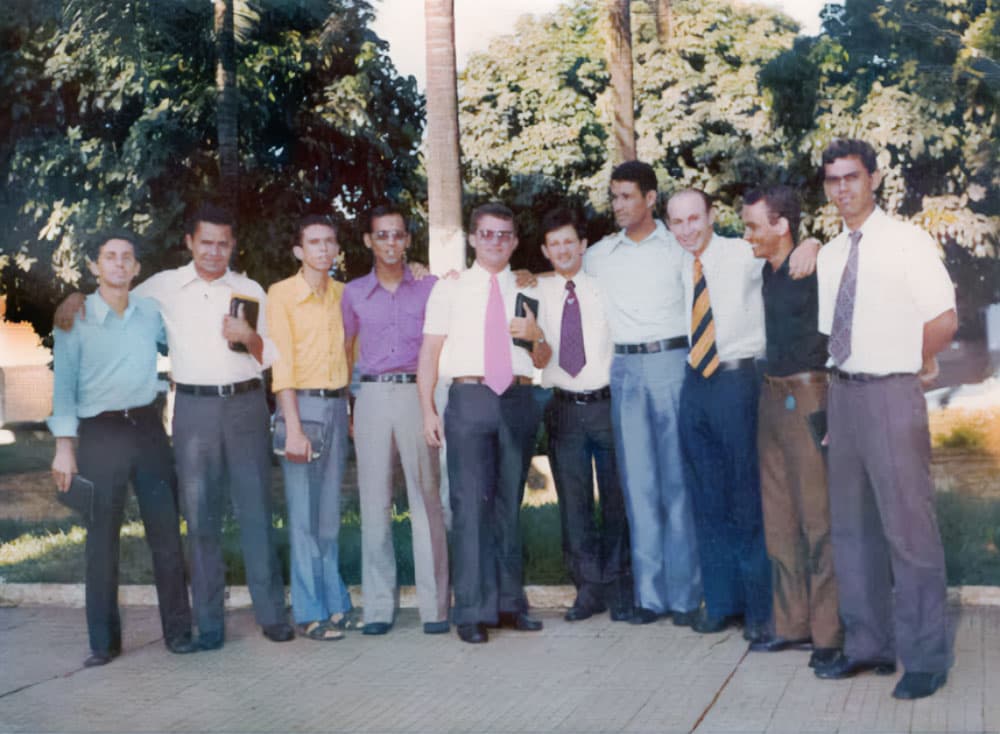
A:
(592, 676)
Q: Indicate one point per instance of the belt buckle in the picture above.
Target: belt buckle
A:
(227, 391)
(654, 347)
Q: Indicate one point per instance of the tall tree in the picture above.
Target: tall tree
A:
(618, 41)
(443, 156)
(227, 103)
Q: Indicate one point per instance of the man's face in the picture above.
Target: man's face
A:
(211, 246)
(690, 221)
(759, 231)
(494, 241)
(317, 248)
(388, 239)
(850, 186)
(564, 249)
(116, 265)
(630, 207)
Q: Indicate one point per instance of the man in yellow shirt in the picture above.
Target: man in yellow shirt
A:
(310, 381)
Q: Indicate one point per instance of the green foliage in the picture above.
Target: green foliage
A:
(965, 437)
(113, 124)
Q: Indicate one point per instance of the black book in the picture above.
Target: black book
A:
(79, 497)
(519, 312)
(251, 312)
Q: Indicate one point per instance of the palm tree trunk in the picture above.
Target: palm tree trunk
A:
(618, 42)
(443, 157)
(227, 104)
(663, 13)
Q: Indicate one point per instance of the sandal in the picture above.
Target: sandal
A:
(345, 621)
(320, 631)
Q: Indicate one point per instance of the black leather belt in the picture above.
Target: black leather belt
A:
(322, 392)
(660, 345)
(405, 378)
(728, 365)
(129, 414)
(867, 376)
(471, 380)
(587, 396)
(220, 391)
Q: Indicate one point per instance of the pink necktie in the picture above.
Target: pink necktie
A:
(498, 370)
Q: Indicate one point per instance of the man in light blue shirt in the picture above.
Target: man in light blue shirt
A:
(638, 269)
(105, 398)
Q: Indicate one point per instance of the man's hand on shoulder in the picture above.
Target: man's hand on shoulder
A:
(802, 262)
(67, 311)
(524, 279)
(419, 271)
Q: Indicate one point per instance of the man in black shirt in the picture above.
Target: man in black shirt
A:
(791, 428)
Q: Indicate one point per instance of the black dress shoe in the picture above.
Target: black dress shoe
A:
(707, 624)
(210, 642)
(97, 659)
(844, 667)
(685, 619)
(771, 643)
(376, 628)
(474, 634)
(642, 615)
(918, 685)
(621, 614)
(823, 656)
(280, 632)
(521, 621)
(181, 646)
(436, 628)
(578, 613)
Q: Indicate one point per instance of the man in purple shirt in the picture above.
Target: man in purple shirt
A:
(384, 311)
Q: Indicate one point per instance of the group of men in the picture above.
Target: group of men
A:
(717, 502)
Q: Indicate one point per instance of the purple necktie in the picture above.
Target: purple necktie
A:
(498, 370)
(843, 312)
(572, 356)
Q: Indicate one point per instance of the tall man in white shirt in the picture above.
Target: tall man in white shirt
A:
(220, 428)
(638, 269)
(490, 424)
(888, 305)
(722, 288)
(578, 418)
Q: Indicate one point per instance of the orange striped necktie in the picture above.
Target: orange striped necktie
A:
(703, 356)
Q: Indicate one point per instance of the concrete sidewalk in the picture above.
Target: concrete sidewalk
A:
(592, 676)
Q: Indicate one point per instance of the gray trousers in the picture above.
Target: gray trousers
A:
(220, 442)
(886, 546)
(387, 418)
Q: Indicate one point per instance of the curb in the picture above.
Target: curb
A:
(237, 597)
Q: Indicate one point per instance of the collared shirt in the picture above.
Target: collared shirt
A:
(901, 285)
(642, 286)
(457, 309)
(733, 277)
(105, 362)
(193, 310)
(597, 344)
(309, 332)
(390, 324)
(794, 343)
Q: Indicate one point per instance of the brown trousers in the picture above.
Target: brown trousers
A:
(797, 509)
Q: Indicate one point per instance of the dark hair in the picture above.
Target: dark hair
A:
(492, 209)
(309, 220)
(638, 173)
(846, 147)
(782, 203)
(387, 209)
(92, 247)
(705, 198)
(560, 217)
(211, 214)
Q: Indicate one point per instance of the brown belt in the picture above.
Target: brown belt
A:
(799, 378)
(473, 380)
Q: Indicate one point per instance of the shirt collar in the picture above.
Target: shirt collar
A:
(303, 290)
(873, 220)
(482, 273)
(189, 275)
(370, 284)
(659, 231)
(98, 309)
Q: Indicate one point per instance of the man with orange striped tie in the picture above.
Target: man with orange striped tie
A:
(718, 417)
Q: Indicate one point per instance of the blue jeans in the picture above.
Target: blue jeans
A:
(312, 492)
(645, 395)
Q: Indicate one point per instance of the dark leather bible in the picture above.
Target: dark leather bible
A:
(519, 304)
(251, 312)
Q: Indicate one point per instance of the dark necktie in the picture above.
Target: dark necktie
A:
(843, 313)
(572, 356)
(703, 356)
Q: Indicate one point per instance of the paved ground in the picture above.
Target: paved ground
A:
(593, 676)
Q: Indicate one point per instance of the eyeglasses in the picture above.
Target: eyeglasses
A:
(489, 235)
(386, 235)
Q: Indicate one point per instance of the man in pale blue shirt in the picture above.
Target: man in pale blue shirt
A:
(105, 397)
(638, 269)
